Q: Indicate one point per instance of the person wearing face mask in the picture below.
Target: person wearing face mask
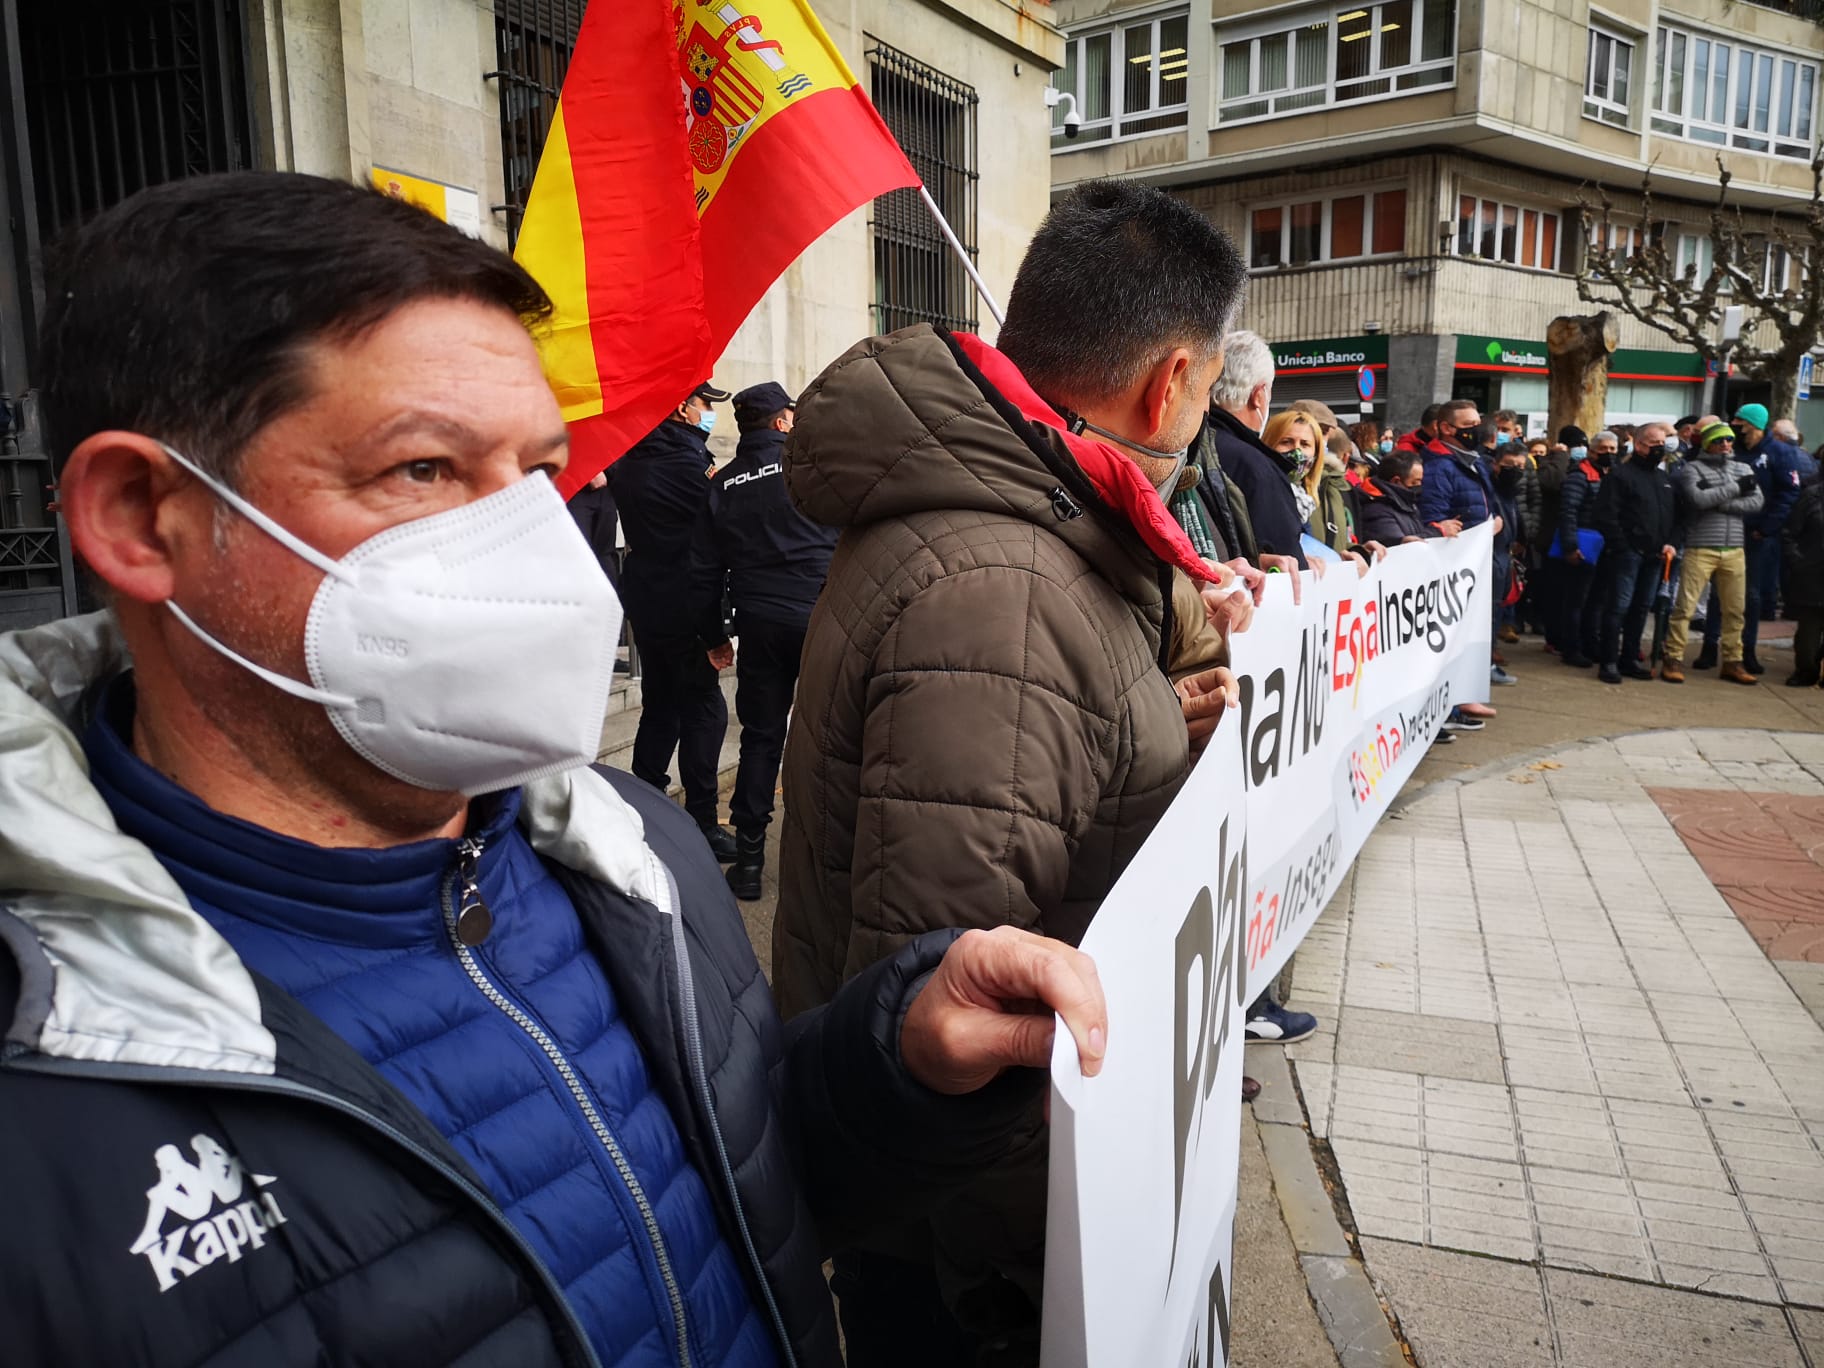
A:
(661, 487)
(1716, 494)
(1638, 513)
(1781, 468)
(351, 1014)
(984, 732)
(1264, 512)
(755, 548)
(1294, 439)
(1390, 509)
(1576, 547)
(1506, 460)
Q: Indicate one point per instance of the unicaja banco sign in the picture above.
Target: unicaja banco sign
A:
(1492, 353)
(1333, 353)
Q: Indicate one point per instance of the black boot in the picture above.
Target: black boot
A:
(1753, 666)
(750, 861)
(721, 842)
(1706, 659)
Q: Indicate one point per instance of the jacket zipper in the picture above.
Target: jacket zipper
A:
(468, 856)
(699, 1076)
(19, 1057)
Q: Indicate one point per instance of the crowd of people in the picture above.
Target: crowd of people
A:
(400, 1032)
(1697, 521)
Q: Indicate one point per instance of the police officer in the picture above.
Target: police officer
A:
(661, 487)
(770, 560)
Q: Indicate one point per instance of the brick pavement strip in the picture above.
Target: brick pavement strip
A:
(1578, 1112)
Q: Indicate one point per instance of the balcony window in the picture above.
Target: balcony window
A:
(1337, 57)
(1345, 227)
(1608, 79)
(1729, 94)
(1129, 80)
(1516, 234)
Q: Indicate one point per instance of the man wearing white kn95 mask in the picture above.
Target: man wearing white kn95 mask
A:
(350, 1015)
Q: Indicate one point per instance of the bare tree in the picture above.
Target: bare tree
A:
(1630, 262)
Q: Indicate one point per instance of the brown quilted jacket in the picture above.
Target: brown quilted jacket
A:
(983, 733)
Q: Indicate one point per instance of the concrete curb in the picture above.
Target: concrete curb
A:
(1347, 1305)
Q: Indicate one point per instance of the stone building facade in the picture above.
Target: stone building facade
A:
(1409, 177)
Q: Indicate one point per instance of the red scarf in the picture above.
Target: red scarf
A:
(1116, 478)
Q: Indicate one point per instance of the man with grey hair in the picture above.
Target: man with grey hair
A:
(984, 732)
(1239, 404)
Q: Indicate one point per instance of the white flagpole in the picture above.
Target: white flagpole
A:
(981, 287)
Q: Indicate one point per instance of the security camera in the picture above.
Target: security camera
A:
(1073, 121)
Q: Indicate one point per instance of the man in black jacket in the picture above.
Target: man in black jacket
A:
(1637, 512)
(358, 1020)
(1239, 404)
(1390, 508)
(661, 487)
(752, 544)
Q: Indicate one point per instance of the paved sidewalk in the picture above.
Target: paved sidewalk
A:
(1576, 1110)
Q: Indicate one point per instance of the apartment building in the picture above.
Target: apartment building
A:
(1407, 177)
(447, 102)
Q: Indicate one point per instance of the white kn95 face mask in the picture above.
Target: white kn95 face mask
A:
(470, 651)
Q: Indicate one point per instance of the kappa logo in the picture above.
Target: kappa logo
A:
(218, 1217)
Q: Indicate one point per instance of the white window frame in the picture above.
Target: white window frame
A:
(1695, 249)
(1521, 209)
(1294, 99)
(1114, 28)
(1788, 80)
(1328, 199)
(1599, 102)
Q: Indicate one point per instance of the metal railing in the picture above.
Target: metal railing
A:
(533, 41)
(933, 115)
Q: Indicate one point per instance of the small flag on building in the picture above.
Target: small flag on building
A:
(698, 148)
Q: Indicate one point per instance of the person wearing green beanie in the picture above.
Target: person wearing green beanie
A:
(1717, 493)
(1781, 471)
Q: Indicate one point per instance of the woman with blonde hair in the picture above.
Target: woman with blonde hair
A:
(1298, 441)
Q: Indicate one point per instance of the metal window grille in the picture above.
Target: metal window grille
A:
(917, 278)
(115, 95)
(130, 93)
(533, 41)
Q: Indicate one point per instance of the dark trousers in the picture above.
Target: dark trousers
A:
(681, 709)
(893, 1315)
(1541, 604)
(1628, 580)
(1762, 557)
(1808, 644)
(766, 673)
(1575, 629)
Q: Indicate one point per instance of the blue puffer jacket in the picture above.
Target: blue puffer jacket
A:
(359, 937)
(1456, 486)
(1782, 471)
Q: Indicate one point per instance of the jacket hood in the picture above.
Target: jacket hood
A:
(115, 966)
(919, 420)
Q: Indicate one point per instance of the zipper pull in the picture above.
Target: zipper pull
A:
(473, 918)
(1064, 506)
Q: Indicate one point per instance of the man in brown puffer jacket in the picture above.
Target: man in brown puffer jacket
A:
(984, 733)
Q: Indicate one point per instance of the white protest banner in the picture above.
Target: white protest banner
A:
(1340, 698)
(1342, 694)
(1145, 1156)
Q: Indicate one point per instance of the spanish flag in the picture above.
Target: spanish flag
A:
(698, 148)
